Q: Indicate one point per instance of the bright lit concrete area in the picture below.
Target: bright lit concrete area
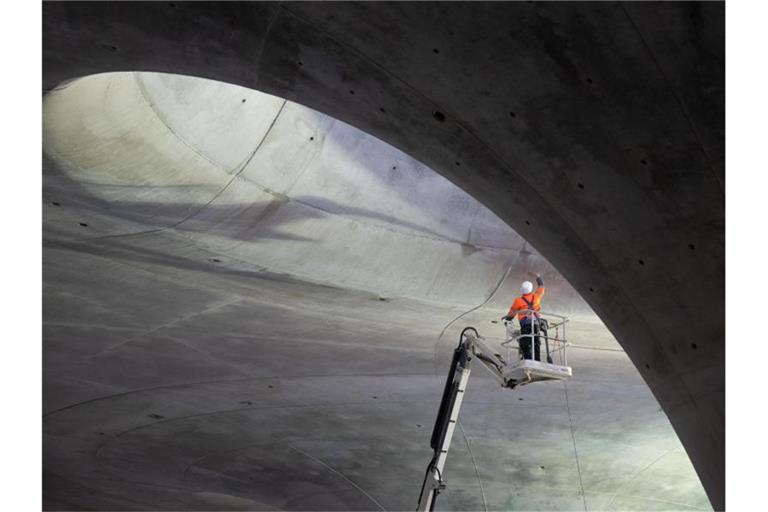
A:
(250, 302)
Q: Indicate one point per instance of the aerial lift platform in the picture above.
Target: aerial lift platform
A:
(511, 371)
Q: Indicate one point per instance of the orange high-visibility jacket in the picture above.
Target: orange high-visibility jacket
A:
(531, 298)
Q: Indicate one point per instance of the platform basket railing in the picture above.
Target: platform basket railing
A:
(551, 333)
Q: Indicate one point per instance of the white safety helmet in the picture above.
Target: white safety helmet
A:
(526, 288)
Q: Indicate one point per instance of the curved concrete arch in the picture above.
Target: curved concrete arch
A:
(595, 131)
(269, 182)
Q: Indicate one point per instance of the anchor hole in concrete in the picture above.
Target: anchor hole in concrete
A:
(647, 366)
(382, 110)
(435, 50)
(243, 100)
(439, 116)
(589, 80)
(351, 91)
(643, 162)
(84, 224)
(527, 223)
(155, 416)
(55, 203)
(512, 114)
(694, 346)
(691, 247)
(581, 186)
(641, 262)
(458, 164)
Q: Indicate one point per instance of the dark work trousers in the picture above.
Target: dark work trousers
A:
(525, 341)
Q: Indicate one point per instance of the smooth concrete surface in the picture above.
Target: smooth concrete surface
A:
(308, 195)
(200, 353)
(595, 130)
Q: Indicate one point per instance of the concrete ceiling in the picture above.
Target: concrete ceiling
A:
(594, 130)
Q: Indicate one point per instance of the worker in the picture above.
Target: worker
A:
(527, 308)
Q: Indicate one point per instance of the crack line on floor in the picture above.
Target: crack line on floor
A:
(165, 325)
(339, 473)
(575, 451)
(223, 381)
(634, 477)
(474, 463)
